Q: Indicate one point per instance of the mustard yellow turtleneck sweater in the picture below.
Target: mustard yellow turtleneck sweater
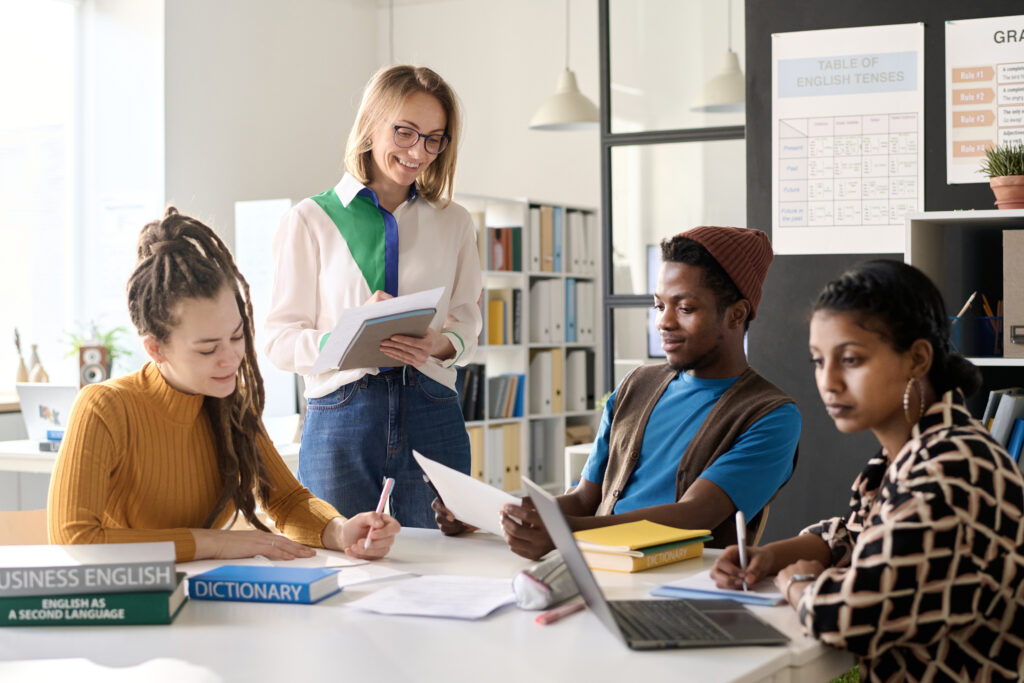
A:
(138, 463)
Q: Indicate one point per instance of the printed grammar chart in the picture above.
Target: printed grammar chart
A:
(847, 138)
(984, 91)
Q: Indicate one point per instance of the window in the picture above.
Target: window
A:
(665, 168)
(37, 180)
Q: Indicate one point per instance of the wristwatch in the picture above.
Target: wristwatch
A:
(797, 577)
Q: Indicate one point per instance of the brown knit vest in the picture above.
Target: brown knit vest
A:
(750, 398)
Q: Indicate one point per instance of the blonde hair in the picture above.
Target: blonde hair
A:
(385, 93)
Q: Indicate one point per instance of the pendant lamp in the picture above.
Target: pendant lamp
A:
(568, 108)
(726, 92)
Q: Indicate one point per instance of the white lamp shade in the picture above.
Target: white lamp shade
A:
(725, 92)
(567, 109)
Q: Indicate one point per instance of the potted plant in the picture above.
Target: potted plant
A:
(1004, 166)
(110, 339)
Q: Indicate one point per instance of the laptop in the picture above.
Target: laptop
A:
(45, 408)
(653, 624)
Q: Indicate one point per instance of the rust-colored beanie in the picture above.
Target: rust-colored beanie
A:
(743, 253)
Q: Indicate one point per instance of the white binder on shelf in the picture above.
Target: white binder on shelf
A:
(540, 383)
(540, 313)
(576, 380)
(556, 298)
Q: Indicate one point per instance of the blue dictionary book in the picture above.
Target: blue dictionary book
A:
(1016, 439)
(264, 584)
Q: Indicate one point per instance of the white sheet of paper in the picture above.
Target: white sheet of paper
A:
(323, 558)
(351, 319)
(470, 500)
(456, 597)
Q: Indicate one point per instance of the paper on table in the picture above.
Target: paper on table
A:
(323, 558)
(701, 586)
(457, 597)
(470, 500)
(351, 319)
(366, 573)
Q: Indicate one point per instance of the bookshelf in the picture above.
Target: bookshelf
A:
(532, 384)
(962, 252)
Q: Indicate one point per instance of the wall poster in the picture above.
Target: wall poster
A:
(984, 91)
(847, 138)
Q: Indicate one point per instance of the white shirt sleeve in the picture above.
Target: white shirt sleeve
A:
(464, 320)
(293, 341)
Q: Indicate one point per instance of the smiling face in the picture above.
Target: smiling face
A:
(692, 329)
(203, 351)
(860, 376)
(398, 167)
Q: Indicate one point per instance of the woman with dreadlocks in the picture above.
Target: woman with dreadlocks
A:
(175, 451)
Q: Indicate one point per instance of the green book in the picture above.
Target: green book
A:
(100, 609)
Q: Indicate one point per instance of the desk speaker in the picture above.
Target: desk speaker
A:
(93, 364)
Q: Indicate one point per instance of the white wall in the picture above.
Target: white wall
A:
(503, 59)
(260, 95)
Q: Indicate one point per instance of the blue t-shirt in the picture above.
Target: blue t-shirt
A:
(759, 462)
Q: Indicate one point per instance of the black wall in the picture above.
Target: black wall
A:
(829, 461)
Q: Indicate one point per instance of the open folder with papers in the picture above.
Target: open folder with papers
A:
(470, 500)
(355, 340)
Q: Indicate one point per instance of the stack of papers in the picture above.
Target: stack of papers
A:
(701, 587)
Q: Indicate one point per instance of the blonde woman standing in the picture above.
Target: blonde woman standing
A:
(387, 228)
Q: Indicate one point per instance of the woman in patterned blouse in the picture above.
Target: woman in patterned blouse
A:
(924, 579)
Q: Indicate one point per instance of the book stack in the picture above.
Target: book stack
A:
(78, 585)
(504, 316)
(505, 396)
(1004, 418)
(636, 546)
(504, 249)
(469, 381)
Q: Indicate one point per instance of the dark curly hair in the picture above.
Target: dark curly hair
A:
(180, 258)
(900, 303)
(684, 250)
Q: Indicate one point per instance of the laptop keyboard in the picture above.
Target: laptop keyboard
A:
(669, 620)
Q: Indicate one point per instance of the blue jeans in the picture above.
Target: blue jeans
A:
(365, 431)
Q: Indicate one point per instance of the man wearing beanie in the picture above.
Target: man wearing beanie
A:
(689, 442)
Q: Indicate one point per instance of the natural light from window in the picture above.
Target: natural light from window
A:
(37, 140)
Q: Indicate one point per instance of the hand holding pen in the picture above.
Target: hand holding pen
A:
(385, 493)
(741, 542)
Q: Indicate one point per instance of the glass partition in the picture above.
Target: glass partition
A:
(660, 190)
(656, 76)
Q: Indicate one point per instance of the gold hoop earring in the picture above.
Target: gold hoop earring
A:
(912, 382)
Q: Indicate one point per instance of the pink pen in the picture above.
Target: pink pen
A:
(389, 483)
(551, 616)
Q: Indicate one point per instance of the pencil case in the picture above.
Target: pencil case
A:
(544, 584)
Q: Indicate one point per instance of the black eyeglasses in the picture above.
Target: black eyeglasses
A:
(408, 137)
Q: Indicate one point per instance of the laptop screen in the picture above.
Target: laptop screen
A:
(45, 408)
(565, 542)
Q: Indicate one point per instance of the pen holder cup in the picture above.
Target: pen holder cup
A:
(956, 337)
(988, 335)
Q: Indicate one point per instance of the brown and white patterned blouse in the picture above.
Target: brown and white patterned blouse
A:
(927, 575)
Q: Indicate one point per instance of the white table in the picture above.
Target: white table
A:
(236, 641)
